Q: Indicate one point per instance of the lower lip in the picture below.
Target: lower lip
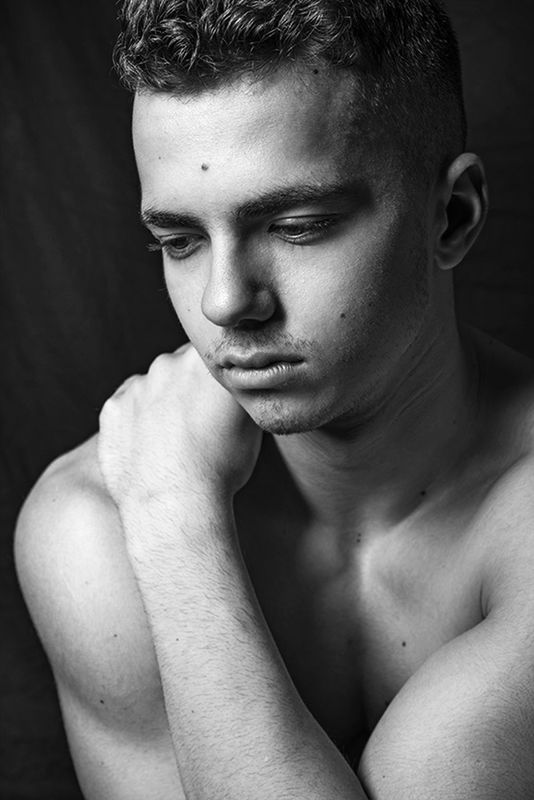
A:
(269, 377)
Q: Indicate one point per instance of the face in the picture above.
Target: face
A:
(294, 249)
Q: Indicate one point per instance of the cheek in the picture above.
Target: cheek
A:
(376, 300)
(186, 300)
(393, 270)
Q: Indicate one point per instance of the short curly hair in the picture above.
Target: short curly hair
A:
(403, 52)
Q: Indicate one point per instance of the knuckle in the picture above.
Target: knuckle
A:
(106, 413)
(183, 349)
(160, 363)
(114, 401)
(108, 406)
(128, 385)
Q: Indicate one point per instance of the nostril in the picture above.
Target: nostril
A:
(237, 303)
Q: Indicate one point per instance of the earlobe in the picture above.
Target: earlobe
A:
(464, 206)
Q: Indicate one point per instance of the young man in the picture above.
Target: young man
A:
(296, 562)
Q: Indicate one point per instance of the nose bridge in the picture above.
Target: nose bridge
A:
(236, 289)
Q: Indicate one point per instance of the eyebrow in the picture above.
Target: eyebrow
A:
(272, 202)
(288, 197)
(156, 218)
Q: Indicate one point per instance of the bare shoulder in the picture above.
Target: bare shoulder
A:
(465, 717)
(507, 378)
(79, 588)
(505, 518)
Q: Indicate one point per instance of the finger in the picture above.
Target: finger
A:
(125, 385)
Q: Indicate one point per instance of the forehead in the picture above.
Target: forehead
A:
(215, 147)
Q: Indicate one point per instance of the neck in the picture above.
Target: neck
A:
(372, 472)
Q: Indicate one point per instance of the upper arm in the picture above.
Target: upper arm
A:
(462, 728)
(84, 602)
(116, 761)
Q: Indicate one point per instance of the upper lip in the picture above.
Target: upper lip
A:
(257, 360)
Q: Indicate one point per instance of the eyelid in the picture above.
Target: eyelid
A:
(168, 237)
(166, 245)
(307, 224)
(302, 218)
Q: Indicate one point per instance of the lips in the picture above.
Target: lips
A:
(258, 360)
(262, 372)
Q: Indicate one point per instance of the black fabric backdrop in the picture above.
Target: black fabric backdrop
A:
(83, 304)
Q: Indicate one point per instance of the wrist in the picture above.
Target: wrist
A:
(155, 498)
(177, 515)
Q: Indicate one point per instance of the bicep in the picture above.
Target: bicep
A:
(114, 762)
(462, 728)
(83, 599)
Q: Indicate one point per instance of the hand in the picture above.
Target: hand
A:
(175, 431)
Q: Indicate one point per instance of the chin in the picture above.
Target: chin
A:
(284, 427)
(283, 417)
(282, 420)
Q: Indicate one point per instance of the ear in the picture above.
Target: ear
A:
(461, 210)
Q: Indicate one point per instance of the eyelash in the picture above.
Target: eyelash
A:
(168, 246)
(310, 231)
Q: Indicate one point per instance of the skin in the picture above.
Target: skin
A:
(321, 589)
(241, 278)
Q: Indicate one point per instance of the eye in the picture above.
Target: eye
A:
(177, 247)
(304, 230)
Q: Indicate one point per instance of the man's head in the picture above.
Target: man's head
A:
(403, 56)
(292, 211)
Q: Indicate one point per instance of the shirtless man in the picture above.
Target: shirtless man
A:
(297, 561)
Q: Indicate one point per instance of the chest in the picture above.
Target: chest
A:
(354, 630)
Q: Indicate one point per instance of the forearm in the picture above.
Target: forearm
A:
(239, 727)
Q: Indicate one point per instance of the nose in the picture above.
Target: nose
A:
(236, 292)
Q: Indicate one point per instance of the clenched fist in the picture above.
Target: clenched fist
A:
(175, 431)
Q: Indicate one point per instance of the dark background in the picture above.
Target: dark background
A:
(82, 304)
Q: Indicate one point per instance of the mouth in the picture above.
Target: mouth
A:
(258, 361)
(257, 371)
